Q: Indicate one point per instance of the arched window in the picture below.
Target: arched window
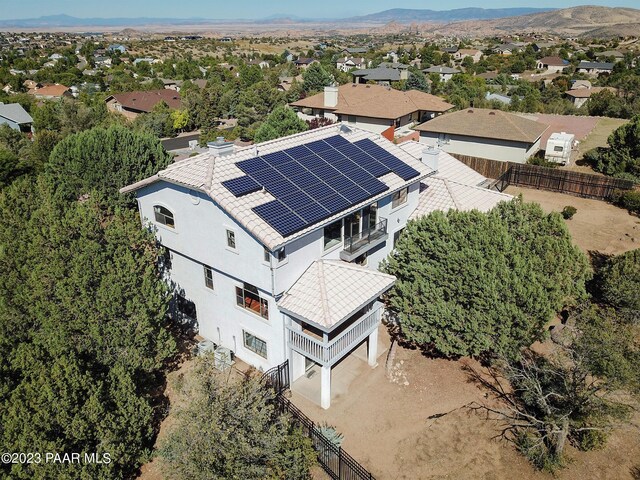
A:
(164, 216)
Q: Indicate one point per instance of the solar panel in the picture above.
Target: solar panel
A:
(296, 199)
(313, 212)
(241, 186)
(406, 172)
(282, 188)
(313, 181)
(334, 203)
(281, 218)
(291, 169)
(354, 194)
(337, 141)
(318, 146)
(252, 165)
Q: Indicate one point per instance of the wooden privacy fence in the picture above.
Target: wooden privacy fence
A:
(338, 464)
(546, 178)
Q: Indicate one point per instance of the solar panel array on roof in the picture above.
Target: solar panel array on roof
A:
(316, 180)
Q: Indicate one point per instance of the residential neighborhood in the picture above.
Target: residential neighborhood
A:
(337, 241)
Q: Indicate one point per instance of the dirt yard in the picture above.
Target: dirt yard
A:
(416, 426)
(596, 226)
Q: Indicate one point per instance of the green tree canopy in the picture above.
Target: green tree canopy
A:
(620, 282)
(315, 78)
(230, 430)
(282, 122)
(621, 157)
(417, 81)
(104, 160)
(82, 332)
(471, 283)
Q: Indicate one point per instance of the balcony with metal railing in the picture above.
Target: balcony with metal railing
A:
(356, 245)
(330, 351)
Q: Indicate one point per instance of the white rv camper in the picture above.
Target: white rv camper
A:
(559, 148)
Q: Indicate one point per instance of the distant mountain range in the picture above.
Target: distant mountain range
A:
(411, 15)
(399, 15)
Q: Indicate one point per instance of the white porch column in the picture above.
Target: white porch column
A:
(372, 346)
(325, 386)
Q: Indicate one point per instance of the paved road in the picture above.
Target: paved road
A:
(178, 143)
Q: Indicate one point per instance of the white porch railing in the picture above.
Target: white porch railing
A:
(329, 353)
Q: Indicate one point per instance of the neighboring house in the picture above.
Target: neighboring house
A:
(132, 104)
(449, 50)
(380, 75)
(259, 62)
(285, 83)
(304, 62)
(579, 96)
(577, 84)
(594, 68)
(484, 133)
(538, 46)
(463, 53)
(349, 63)
(274, 248)
(16, 117)
(355, 51)
(117, 48)
(372, 107)
(445, 73)
(498, 98)
(149, 60)
(552, 64)
(51, 92)
(616, 55)
(102, 61)
(507, 49)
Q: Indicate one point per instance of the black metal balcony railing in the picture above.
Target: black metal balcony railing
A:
(361, 240)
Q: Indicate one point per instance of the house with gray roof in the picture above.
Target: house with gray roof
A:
(594, 68)
(16, 117)
(274, 248)
(380, 75)
(445, 73)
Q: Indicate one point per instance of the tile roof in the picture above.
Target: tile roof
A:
(440, 69)
(454, 186)
(145, 100)
(587, 92)
(206, 172)
(15, 113)
(486, 123)
(553, 61)
(377, 101)
(324, 293)
(56, 90)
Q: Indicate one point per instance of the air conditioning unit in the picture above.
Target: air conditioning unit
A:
(223, 358)
(205, 346)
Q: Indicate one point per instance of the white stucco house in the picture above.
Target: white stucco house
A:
(484, 133)
(274, 247)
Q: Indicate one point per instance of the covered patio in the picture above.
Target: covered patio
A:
(332, 309)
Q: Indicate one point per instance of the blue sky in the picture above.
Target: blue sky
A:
(11, 9)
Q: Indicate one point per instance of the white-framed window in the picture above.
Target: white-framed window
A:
(400, 197)
(332, 235)
(255, 344)
(208, 277)
(231, 239)
(186, 307)
(164, 216)
(248, 297)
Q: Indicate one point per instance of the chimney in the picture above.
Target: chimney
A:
(220, 147)
(331, 96)
(430, 157)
